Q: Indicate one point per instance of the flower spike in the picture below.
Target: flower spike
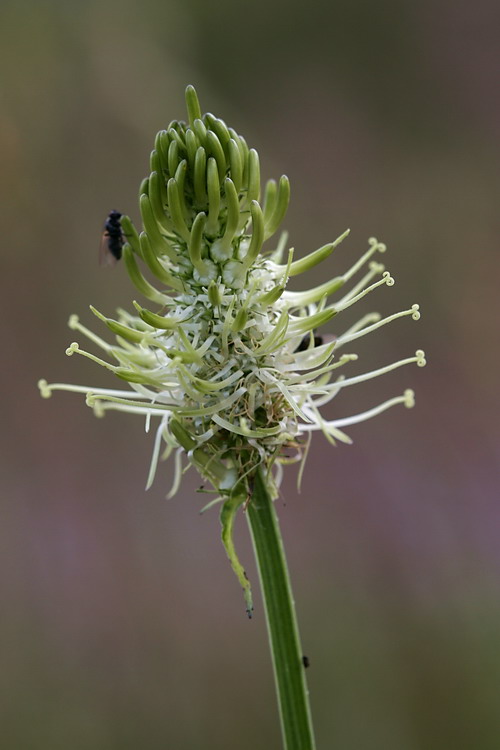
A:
(233, 365)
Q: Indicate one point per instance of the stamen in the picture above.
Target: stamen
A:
(409, 396)
(96, 405)
(386, 279)
(361, 323)
(419, 358)
(408, 399)
(375, 270)
(93, 396)
(413, 311)
(375, 246)
(46, 390)
(75, 325)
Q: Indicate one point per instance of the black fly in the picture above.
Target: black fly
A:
(326, 338)
(112, 240)
(306, 341)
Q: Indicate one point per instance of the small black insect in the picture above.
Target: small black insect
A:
(305, 661)
(305, 343)
(112, 240)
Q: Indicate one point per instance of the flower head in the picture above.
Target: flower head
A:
(231, 366)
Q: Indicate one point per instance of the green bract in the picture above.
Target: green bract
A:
(230, 364)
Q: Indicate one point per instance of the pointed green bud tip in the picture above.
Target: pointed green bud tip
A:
(240, 320)
(192, 104)
(214, 294)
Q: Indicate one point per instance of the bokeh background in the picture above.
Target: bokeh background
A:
(121, 623)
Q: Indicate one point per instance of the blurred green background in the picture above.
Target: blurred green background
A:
(122, 625)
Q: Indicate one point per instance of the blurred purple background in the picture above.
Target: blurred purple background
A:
(122, 625)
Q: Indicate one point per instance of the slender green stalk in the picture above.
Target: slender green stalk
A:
(289, 672)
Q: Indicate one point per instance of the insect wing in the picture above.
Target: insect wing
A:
(112, 240)
(106, 257)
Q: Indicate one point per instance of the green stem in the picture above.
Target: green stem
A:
(282, 626)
